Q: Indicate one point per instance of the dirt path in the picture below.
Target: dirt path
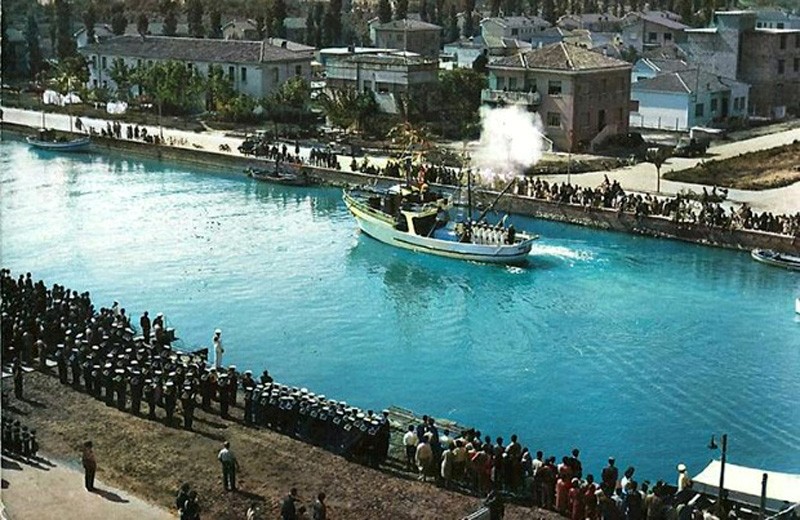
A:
(45, 490)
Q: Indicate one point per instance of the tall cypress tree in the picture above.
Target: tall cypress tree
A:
(215, 23)
(309, 36)
(168, 9)
(65, 45)
(549, 11)
(469, 20)
(89, 20)
(423, 10)
(34, 49)
(452, 24)
(401, 9)
(278, 18)
(336, 12)
(319, 14)
(142, 24)
(384, 11)
(118, 20)
(194, 17)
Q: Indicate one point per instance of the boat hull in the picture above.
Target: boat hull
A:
(75, 145)
(776, 259)
(379, 227)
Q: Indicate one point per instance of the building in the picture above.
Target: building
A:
(582, 96)
(647, 68)
(390, 76)
(240, 29)
(256, 68)
(682, 99)
(102, 31)
(767, 59)
(600, 22)
(776, 19)
(408, 35)
(464, 52)
(644, 31)
(522, 28)
(295, 28)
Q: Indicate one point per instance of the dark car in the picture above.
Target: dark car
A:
(693, 147)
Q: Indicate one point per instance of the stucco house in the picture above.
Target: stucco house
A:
(682, 99)
(522, 28)
(644, 31)
(582, 96)
(408, 35)
(255, 68)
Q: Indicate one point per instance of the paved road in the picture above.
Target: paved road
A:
(56, 492)
(641, 177)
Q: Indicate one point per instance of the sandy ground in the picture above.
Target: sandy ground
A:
(641, 177)
(44, 490)
(147, 459)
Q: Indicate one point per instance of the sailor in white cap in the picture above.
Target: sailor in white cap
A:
(683, 478)
(218, 350)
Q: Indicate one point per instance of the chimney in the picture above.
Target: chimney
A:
(283, 44)
(351, 49)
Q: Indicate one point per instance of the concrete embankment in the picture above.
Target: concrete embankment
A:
(601, 218)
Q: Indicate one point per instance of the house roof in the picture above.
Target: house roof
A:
(97, 26)
(517, 21)
(392, 58)
(665, 52)
(560, 56)
(588, 18)
(661, 20)
(407, 25)
(195, 49)
(685, 81)
(665, 65)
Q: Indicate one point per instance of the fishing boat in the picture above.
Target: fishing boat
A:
(279, 177)
(412, 218)
(47, 139)
(770, 257)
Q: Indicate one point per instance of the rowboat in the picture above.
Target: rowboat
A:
(406, 217)
(279, 177)
(770, 257)
(47, 140)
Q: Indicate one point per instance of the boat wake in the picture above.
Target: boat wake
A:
(561, 252)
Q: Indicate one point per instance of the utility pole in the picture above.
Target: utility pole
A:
(722, 472)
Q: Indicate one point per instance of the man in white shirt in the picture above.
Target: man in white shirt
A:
(218, 350)
(229, 466)
(410, 441)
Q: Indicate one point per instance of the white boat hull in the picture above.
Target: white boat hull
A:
(385, 232)
(76, 145)
(776, 259)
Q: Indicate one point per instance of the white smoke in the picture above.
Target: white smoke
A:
(511, 141)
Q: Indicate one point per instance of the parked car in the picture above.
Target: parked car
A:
(692, 147)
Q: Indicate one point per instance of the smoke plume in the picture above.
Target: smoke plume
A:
(511, 141)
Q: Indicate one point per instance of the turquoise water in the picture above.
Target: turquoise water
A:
(616, 344)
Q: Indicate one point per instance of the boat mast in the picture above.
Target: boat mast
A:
(496, 199)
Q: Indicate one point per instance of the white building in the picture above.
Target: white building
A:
(255, 68)
(522, 28)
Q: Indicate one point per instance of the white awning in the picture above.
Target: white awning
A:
(744, 485)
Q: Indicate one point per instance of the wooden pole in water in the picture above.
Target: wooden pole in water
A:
(762, 512)
(722, 472)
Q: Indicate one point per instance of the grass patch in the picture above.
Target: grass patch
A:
(761, 170)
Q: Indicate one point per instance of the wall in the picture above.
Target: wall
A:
(426, 43)
(667, 110)
(771, 89)
(607, 90)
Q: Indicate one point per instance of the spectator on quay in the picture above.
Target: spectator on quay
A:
(576, 501)
(319, 510)
(289, 506)
(424, 457)
(410, 441)
(183, 496)
(254, 512)
(191, 509)
(609, 477)
(229, 466)
(626, 477)
(89, 463)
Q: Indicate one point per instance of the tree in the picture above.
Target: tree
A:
(175, 88)
(336, 23)
(168, 11)
(219, 89)
(439, 12)
(328, 27)
(8, 55)
(194, 17)
(260, 26)
(309, 36)
(319, 15)
(480, 64)
(469, 21)
(32, 40)
(142, 24)
(657, 157)
(65, 45)
(423, 10)
(460, 91)
(452, 25)
(494, 8)
(384, 11)
(549, 11)
(278, 18)
(684, 8)
(348, 109)
(400, 9)
(71, 72)
(215, 23)
(118, 20)
(121, 74)
(89, 21)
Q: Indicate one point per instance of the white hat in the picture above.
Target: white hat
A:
(218, 331)
(681, 468)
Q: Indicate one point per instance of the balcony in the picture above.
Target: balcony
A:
(510, 97)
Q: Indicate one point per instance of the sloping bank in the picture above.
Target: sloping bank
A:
(602, 218)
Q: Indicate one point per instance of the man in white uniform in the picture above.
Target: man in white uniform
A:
(218, 350)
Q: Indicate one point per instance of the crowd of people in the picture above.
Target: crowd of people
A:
(704, 210)
(18, 439)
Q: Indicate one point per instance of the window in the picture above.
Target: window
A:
(554, 88)
(783, 41)
(713, 105)
(189, 67)
(103, 61)
(514, 32)
(139, 62)
(275, 75)
(779, 25)
(553, 119)
(94, 62)
(94, 83)
(698, 110)
(651, 37)
(667, 37)
(230, 72)
(736, 103)
(501, 83)
(781, 66)
(244, 74)
(512, 83)
(298, 70)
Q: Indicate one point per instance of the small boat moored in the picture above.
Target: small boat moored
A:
(276, 176)
(770, 257)
(47, 139)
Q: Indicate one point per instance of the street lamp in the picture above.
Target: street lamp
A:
(712, 445)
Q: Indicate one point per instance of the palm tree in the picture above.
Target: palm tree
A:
(657, 157)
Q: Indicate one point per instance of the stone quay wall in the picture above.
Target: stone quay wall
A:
(601, 218)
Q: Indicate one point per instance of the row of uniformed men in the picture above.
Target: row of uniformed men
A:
(18, 439)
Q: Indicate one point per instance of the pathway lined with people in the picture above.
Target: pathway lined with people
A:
(640, 177)
(54, 490)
